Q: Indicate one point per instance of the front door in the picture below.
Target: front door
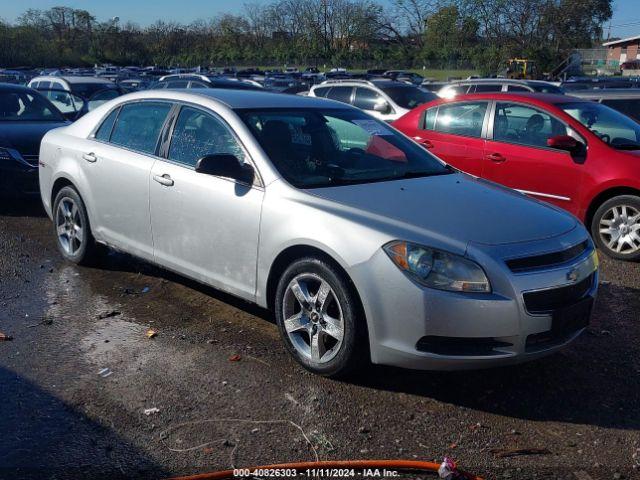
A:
(517, 156)
(205, 227)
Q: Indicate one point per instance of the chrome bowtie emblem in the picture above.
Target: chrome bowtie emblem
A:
(572, 276)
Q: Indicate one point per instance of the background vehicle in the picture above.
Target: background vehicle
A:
(396, 236)
(625, 100)
(25, 116)
(404, 76)
(521, 68)
(581, 156)
(383, 99)
(486, 85)
(189, 80)
(75, 96)
(589, 83)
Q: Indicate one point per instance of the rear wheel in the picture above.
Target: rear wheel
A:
(616, 227)
(71, 226)
(319, 318)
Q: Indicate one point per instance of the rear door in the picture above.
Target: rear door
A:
(517, 155)
(117, 164)
(454, 132)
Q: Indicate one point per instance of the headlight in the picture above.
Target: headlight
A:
(437, 269)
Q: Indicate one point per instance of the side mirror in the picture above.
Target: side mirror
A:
(564, 142)
(382, 107)
(225, 165)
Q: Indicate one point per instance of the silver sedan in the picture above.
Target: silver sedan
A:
(365, 246)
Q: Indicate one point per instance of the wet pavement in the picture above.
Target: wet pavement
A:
(80, 372)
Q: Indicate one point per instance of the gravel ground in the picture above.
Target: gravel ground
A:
(62, 419)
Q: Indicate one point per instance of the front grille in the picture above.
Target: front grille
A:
(460, 346)
(546, 301)
(547, 259)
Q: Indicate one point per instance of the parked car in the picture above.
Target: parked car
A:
(383, 99)
(364, 244)
(625, 100)
(134, 84)
(487, 85)
(191, 80)
(404, 76)
(25, 116)
(578, 155)
(590, 83)
(285, 84)
(74, 96)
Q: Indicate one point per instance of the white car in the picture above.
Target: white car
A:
(386, 100)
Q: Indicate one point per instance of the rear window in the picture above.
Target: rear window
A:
(139, 125)
(461, 118)
(104, 132)
(321, 92)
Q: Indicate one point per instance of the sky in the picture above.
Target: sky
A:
(625, 21)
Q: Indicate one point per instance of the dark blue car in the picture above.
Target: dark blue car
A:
(25, 116)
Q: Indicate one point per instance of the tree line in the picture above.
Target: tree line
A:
(478, 34)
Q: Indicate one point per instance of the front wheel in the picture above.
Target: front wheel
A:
(319, 318)
(616, 227)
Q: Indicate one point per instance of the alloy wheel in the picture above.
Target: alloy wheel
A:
(69, 226)
(619, 229)
(313, 318)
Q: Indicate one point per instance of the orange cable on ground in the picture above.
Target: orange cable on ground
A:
(360, 464)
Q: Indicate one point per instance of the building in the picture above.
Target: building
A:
(621, 51)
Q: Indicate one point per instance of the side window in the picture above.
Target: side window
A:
(197, 85)
(197, 134)
(341, 94)
(517, 88)
(430, 119)
(178, 84)
(525, 125)
(44, 85)
(484, 88)
(461, 118)
(367, 99)
(104, 132)
(139, 125)
(321, 92)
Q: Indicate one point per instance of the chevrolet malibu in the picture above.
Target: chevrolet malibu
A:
(364, 245)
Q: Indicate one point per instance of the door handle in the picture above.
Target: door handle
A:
(424, 142)
(164, 180)
(496, 157)
(90, 157)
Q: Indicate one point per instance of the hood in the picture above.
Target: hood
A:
(25, 136)
(457, 207)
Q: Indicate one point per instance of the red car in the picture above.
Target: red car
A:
(579, 155)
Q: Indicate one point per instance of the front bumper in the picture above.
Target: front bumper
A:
(406, 320)
(19, 177)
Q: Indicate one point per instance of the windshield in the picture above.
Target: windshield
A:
(24, 106)
(87, 89)
(408, 97)
(321, 148)
(611, 126)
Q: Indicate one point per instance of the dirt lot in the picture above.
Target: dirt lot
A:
(61, 418)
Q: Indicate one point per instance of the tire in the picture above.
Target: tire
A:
(72, 228)
(339, 315)
(618, 218)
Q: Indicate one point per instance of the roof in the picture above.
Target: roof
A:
(72, 79)
(514, 81)
(12, 87)
(240, 99)
(535, 98)
(613, 93)
(622, 40)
